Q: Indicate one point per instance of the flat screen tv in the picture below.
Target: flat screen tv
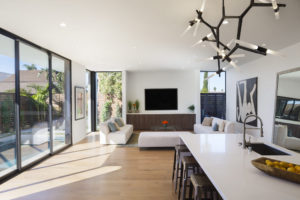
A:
(161, 99)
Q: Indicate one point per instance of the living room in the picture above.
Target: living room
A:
(149, 100)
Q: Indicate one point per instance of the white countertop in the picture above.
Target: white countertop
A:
(229, 168)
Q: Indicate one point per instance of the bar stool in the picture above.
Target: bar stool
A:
(189, 164)
(180, 151)
(203, 188)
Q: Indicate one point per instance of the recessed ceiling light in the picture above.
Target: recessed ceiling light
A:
(225, 22)
(62, 24)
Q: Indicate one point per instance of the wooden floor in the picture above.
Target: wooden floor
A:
(92, 171)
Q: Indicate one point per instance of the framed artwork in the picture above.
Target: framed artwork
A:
(79, 103)
(246, 100)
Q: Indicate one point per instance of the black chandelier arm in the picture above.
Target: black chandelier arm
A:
(252, 50)
(222, 44)
(234, 49)
(219, 63)
(267, 5)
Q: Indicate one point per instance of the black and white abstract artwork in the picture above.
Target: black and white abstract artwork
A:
(246, 100)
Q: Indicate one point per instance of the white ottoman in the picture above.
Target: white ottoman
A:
(160, 139)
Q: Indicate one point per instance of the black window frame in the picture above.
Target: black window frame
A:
(17, 39)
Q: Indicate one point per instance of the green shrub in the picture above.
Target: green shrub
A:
(106, 111)
(119, 110)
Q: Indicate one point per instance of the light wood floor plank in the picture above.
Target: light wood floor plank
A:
(92, 171)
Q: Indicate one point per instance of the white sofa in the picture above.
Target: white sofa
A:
(118, 137)
(230, 127)
(160, 139)
(281, 138)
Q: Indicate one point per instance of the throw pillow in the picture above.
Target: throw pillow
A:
(207, 121)
(112, 127)
(104, 128)
(221, 124)
(215, 127)
(119, 122)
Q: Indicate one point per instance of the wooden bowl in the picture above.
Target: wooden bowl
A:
(260, 163)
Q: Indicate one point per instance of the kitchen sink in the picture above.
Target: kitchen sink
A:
(264, 149)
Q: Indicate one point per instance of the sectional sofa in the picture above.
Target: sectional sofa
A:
(117, 137)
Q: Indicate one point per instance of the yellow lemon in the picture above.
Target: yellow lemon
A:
(268, 161)
(270, 164)
(297, 168)
(284, 164)
(276, 163)
(283, 168)
(291, 165)
(291, 169)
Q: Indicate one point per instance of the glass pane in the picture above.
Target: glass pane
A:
(109, 97)
(61, 102)
(215, 84)
(34, 112)
(7, 110)
(288, 108)
(88, 101)
(213, 96)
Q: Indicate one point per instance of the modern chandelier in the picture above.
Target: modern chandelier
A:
(225, 51)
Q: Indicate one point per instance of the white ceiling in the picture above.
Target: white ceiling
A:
(141, 34)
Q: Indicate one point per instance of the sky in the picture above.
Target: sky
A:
(7, 64)
(216, 81)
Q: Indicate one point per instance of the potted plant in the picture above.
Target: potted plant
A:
(165, 123)
(129, 104)
(137, 106)
(191, 108)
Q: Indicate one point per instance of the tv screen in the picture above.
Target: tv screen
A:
(161, 99)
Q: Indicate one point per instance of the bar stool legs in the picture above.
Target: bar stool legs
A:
(189, 164)
(174, 164)
(203, 188)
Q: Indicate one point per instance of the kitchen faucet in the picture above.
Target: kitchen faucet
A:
(244, 134)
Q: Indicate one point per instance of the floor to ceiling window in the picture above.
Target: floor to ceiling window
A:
(88, 102)
(60, 102)
(109, 96)
(213, 95)
(7, 106)
(34, 101)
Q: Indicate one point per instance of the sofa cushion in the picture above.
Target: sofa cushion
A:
(104, 128)
(119, 122)
(229, 127)
(207, 121)
(221, 124)
(112, 127)
(215, 127)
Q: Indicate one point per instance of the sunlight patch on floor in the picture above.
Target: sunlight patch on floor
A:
(79, 162)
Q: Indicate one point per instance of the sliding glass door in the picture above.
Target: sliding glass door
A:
(7, 106)
(34, 104)
(61, 99)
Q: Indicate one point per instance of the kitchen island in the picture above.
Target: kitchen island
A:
(229, 168)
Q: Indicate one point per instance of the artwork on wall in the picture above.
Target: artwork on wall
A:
(246, 100)
(79, 103)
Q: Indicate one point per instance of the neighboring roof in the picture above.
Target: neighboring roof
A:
(4, 75)
(29, 76)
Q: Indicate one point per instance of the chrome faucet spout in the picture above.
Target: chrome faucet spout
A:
(245, 129)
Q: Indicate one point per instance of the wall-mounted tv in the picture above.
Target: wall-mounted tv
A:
(161, 99)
